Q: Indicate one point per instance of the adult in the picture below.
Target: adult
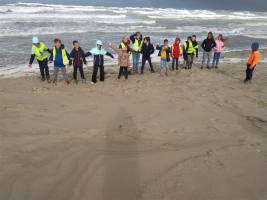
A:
(137, 44)
(208, 44)
(39, 50)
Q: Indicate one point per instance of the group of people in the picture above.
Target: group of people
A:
(77, 57)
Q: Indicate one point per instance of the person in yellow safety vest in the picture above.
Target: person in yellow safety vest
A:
(39, 50)
(61, 58)
(189, 51)
(137, 44)
(126, 42)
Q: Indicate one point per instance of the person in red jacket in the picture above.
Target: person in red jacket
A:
(252, 62)
(176, 52)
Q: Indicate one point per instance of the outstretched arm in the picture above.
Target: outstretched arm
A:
(110, 55)
(87, 54)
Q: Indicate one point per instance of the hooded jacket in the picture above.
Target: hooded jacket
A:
(254, 55)
(123, 57)
(167, 51)
(77, 55)
(98, 54)
(58, 62)
(147, 50)
(34, 41)
(208, 44)
(176, 52)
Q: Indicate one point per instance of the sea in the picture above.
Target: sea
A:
(88, 21)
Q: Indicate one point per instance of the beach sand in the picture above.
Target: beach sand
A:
(198, 134)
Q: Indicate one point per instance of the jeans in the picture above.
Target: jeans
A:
(173, 61)
(63, 70)
(216, 58)
(136, 58)
(75, 69)
(126, 74)
(43, 67)
(102, 73)
(144, 59)
(249, 72)
(205, 54)
(164, 62)
(190, 59)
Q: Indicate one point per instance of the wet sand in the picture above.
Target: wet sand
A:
(197, 134)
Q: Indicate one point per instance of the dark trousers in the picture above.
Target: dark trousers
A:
(125, 69)
(249, 72)
(102, 73)
(144, 59)
(173, 61)
(43, 67)
(75, 69)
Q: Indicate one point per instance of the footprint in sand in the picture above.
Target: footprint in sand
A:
(215, 161)
(40, 90)
(169, 147)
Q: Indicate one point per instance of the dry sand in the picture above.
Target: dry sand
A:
(198, 134)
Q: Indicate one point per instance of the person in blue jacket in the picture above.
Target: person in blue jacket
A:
(39, 50)
(61, 58)
(98, 53)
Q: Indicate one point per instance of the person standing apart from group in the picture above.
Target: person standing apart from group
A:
(146, 50)
(208, 44)
(39, 50)
(252, 61)
(217, 50)
(176, 52)
(137, 44)
(189, 51)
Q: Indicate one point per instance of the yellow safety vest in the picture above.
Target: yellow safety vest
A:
(190, 48)
(64, 56)
(40, 55)
(180, 49)
(222, 45)
(136, 46)
(123, 45)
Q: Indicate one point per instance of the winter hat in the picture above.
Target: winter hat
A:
(189, 38)
(35, 40)
(255, 46)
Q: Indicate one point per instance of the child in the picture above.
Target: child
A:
(137, 44)
(252, 62)
(176, 52)
(195, 45)
(76, 55)
(125, 42)
(123, 59)
(207, 45)
(39, 50)
(164, 51)
(61, 58)
(189, 51)
(98, 53)
(147, 49)
(217, 50)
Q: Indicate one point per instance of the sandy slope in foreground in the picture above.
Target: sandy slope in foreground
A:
(198, 134)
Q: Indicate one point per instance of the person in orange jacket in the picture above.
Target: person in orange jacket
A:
(252, 62)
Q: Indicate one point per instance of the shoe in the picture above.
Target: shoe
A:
(67, 82)
(126, 80)
(172, 69)
(212, 67)
(142, 72)
(54, 82)
(185, 67)
(48, 79)
(248, 81)
(177, 68)
(168, 73)
(129, 73)
(216, 67)
(208, 67)
(161, 74)
(92, 83)
(84, 80)
(75, 81)
(152, 71)
(201, 67)
(245, 80)
(136, 71)
(42, 79)
(117, 79)
(133, 72)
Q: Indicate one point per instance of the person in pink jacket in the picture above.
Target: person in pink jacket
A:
(217, 50)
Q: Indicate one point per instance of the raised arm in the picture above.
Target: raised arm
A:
(114, 48)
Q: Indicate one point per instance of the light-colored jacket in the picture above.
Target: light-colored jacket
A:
(123, 57)
(219, 46)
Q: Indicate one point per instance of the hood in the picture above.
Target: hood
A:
(177, 40)
(35, 40)
(255, 46)
(96, 50)
(99, 42)
(62, 46)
